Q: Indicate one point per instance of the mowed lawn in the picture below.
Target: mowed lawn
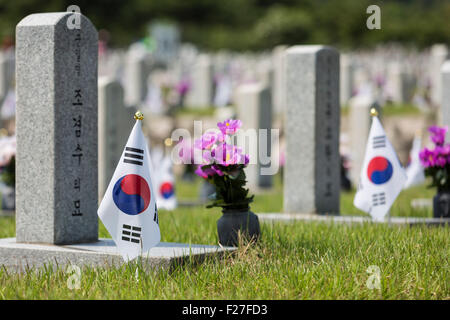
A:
(298, 260)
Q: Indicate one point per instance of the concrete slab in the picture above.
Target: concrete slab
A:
(20, 256)
(291, 217)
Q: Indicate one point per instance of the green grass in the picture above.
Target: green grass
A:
(391, 110)
(291, 261)
(196, 111)
(400, 109)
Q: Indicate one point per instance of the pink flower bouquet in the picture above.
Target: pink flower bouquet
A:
(436, 161)
(223, 166)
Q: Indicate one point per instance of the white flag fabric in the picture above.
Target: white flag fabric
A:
(382, 176)
(414, 172)
(165, 190)
(128, 209)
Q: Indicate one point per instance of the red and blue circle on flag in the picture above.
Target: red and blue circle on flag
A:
(131, 194)
(166, 190)
(379, 170)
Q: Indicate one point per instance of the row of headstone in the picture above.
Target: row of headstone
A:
(61, 192)
(390, 74)
(394, 74)
(311, 184)
(310, 86)
(251, 97)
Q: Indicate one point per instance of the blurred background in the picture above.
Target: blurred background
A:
(253, 24)
(180, 61)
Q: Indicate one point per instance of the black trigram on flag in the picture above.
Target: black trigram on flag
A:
(131, 233)
(133, 156)
(379, 142)
(378, 199)
(155, 216)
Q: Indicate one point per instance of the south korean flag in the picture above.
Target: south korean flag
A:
(165, 184)
(128, 209)
(382, 176)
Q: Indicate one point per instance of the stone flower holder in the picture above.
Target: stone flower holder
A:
(234, 222)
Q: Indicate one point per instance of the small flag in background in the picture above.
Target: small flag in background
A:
(166, 198)
(414, 172)
(164, 180)
(128, 209)
(382, 176)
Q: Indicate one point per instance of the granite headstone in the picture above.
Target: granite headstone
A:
(254, 109)
(56, 164)
(312, 171)
(115, 122)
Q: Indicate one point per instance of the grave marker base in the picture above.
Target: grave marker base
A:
(18, 257)
(291, 217)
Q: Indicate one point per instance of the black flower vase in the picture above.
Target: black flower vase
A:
(237, 221)
(441, 204)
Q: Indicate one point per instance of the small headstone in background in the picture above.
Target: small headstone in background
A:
(201, 91)
(312, 170)
(136, 71)
(278, 92)
(8, 196)
(347, 70)
(439, 53)
(115, 122)
(445, 99)
(8, 107)
(401, 84)
(56, 164)
(223, 92)
(359, 127)
(7, 62)
(206, 190)
(254, 109)
(167, 41)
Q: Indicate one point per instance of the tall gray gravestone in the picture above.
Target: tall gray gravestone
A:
(445, 104)
(254, 109)
(56, 169)
(312, 171)
(115, 122)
